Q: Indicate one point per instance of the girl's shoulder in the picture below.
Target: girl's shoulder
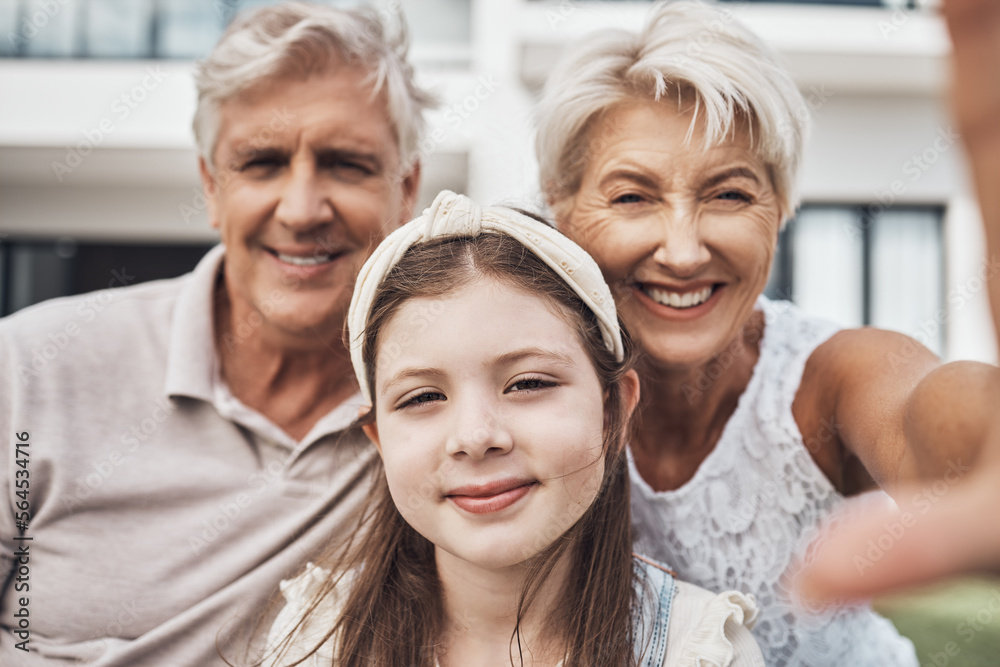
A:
(711, 629)
(701, 628)
(311, 610)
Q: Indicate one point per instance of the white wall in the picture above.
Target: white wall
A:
(874, 77)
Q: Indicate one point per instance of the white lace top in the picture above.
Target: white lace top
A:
(705, 629)
(754, 504)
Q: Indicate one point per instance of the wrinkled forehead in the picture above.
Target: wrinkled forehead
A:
(357, 78)
(636, 126)
(338, 105)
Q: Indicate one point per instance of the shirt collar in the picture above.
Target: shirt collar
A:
(192, 365)
(193, 368)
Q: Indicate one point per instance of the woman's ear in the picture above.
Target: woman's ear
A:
(560, 208)
(370, 429)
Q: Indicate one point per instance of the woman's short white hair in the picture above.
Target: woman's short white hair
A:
(695, 52)
(302, 39)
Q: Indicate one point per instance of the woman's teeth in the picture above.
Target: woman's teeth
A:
(315, 260)
(676, 299)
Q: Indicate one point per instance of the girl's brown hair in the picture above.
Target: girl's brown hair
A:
(393, 614)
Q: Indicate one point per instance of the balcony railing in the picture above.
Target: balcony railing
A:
(176, 29)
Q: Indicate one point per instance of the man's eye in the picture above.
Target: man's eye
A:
(342, 165)
(356, 166)
(261, 163)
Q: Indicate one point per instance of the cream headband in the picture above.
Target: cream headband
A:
(457, 215)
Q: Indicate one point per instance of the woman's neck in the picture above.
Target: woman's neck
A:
(684, 410)
(480, 607)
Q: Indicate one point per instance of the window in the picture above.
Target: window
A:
(33, 271)
(183, 29)
(866, 265)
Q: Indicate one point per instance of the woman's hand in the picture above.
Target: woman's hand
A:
(944, 527)
(951, 524)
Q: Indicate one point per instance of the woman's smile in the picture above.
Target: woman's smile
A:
(679, 305)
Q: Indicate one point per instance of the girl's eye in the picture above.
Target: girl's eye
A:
(529, 384)
(424, 397)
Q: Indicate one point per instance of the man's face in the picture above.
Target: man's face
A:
(307, 182)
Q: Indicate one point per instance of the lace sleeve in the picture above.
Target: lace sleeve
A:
(289, 638)
(709, 630)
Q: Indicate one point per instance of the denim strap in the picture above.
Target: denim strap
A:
(655, 592)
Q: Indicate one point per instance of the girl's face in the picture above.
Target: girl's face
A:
(489, 422)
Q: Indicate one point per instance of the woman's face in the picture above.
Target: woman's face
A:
(490, 421)
(684, 235)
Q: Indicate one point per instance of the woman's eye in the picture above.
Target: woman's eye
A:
(425, 397)
(530, 384)
(735, 195)
(630, 198)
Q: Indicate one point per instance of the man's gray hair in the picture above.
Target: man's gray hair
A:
(692, 51)
(303, 39)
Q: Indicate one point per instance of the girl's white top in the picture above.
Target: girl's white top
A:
(706, 630)
(754, 505)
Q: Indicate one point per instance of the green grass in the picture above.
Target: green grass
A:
(952, 625)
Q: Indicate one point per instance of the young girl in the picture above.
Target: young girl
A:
(490, 349)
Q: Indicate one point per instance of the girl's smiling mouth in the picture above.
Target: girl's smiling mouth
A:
(491, 496)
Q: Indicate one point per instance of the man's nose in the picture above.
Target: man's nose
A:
(304, 202)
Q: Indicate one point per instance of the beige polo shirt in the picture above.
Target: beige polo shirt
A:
(164, 512)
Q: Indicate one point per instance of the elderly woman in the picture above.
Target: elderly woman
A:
(671, 155)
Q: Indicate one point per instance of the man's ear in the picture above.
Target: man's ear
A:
(411, 188)
(371, 430)
(211, 190)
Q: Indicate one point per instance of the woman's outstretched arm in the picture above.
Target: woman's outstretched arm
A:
(885, 548)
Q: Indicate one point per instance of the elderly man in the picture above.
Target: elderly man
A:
(188, 445)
